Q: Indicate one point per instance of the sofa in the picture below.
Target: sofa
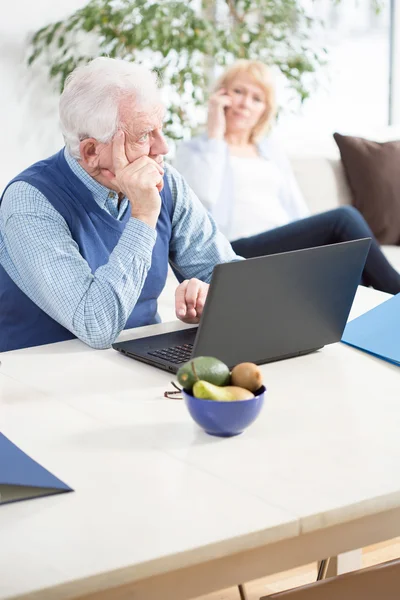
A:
(320, 174)
(318, 169)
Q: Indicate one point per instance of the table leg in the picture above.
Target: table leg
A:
(242, 592)
(323, 569)
(344, 563)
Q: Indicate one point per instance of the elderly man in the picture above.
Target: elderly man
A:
(86, 235)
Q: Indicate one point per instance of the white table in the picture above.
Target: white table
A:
(161, 509)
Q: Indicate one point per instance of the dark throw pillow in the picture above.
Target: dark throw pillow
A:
(373, 173)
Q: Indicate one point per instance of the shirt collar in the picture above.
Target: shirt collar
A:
(100, 192)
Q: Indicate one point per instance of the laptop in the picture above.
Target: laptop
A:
(265, 309)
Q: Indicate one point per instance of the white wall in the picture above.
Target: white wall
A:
(352, 91)
(395, 112)
(28, 102)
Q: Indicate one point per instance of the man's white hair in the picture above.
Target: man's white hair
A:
(89, 104)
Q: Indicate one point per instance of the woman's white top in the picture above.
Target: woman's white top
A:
(257, 206)
(207, 166)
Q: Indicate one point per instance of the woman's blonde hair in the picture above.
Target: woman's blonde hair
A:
(262, 76)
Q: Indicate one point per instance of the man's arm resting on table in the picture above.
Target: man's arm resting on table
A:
(46, 264)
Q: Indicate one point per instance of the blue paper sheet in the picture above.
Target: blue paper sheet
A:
(377, 331)
(22, 478)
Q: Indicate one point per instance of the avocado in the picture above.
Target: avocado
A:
(207, 368)
(208, 391)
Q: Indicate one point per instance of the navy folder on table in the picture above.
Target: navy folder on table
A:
(22, 478)
(377, 331)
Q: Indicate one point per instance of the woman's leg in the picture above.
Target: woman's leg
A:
(339, 225)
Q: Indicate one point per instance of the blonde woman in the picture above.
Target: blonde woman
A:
(244, 179)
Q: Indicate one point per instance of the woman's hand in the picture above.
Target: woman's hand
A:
(216, 123)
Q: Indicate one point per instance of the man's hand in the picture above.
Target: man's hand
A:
(190, 297)
(140, 181)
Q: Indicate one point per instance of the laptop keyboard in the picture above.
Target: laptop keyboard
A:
(174, 354)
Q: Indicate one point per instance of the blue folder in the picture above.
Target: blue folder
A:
(377, 331)
(22, 478)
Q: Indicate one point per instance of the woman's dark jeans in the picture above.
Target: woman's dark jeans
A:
(339, 225)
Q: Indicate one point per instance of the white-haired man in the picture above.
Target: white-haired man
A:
(86, 235)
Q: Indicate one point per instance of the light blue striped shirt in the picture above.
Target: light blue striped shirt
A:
(40, 255)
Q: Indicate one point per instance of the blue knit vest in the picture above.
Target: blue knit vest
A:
(22, 322)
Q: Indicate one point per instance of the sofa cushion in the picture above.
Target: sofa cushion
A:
(373, 173)
(322, 181)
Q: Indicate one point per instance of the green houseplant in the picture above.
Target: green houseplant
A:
(182, 41)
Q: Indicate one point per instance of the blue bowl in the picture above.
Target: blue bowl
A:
(224, 419)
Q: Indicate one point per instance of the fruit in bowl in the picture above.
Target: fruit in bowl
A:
(225, 408)
(205, 368)
(247, 375)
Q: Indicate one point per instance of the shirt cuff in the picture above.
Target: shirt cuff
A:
(139, 238)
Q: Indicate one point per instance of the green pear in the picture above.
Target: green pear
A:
(228, 393)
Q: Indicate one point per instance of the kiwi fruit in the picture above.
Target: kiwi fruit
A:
(247, 375)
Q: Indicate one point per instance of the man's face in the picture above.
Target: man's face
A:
(143, 137)
(143, 134)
